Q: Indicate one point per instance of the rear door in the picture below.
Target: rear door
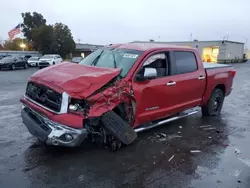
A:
(19, 61)
(189, 78)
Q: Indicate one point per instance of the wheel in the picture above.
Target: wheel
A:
(214, 104)
(119, 128)
(53, 63)
(13, 67)
(26, 66)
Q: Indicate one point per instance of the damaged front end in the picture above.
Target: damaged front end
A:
(64, 119)
(108, 113)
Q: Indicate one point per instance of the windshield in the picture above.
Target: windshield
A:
(47, 57)
(113, 58)
(34, 58)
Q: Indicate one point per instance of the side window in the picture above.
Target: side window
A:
(185, 62)
(158, 62)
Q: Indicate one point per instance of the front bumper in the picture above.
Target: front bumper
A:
(44, 64)
(50, 132)
(33, 64)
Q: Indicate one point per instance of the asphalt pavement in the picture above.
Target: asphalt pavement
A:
(193, 152)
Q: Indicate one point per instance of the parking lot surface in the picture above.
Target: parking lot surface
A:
(193, 152)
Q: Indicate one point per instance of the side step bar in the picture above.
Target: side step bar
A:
(153, 125)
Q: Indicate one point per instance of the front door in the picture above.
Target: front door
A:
(154, 96)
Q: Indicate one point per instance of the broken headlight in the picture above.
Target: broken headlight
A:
(78, 106)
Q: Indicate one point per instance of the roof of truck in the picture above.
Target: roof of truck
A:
(147, 46)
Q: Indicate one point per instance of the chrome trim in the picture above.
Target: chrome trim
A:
(201, 77)
(58, 130)
(171, 83)
(64, 105)
(153, 125)
(40, 104)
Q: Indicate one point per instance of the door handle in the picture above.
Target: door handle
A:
(201, 77)
(171, 83)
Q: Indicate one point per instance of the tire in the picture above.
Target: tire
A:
(26, 66)
(214, 104)
(53, 63)
(119, 128)
(13, 67)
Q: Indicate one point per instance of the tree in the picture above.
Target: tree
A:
(47, 38)
(15, 44)
(43, 39)
(63, 40)
(31, 21)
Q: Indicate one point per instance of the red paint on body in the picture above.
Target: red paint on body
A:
(81, 81)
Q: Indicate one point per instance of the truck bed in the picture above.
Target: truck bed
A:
(214, 65)
(217, 74)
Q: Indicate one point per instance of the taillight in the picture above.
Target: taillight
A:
(233, 73)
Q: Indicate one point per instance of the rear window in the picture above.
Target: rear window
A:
(185, 62)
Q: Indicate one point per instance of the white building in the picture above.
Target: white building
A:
(222, 51)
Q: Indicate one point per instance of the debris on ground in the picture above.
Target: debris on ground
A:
(209, 137)
(245, 161)
(236, 173)
(219, 131)
(180, 127)
(175, 136)
(205, 126)
(218, 181)
(163, 134)
(179, 132)
(237, 151)
(239, 181)
(162, 139)
(210, 128)
(162, 152)
(81, 178)
(153, 162)
(195, 151)
(170, 158)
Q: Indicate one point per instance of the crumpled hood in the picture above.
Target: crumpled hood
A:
(77, 80)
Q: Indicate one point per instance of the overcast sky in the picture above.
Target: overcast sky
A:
(113, 21)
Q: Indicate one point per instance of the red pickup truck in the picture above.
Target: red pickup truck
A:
(120, 90)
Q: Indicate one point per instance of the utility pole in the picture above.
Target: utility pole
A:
(191, 37)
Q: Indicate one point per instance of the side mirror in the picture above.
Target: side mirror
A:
(149, 73)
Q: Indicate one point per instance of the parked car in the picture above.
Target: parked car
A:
(13, 63)
(3, 56)
(48, 60)
(76, 59)
(120, 90)
(33, 61)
